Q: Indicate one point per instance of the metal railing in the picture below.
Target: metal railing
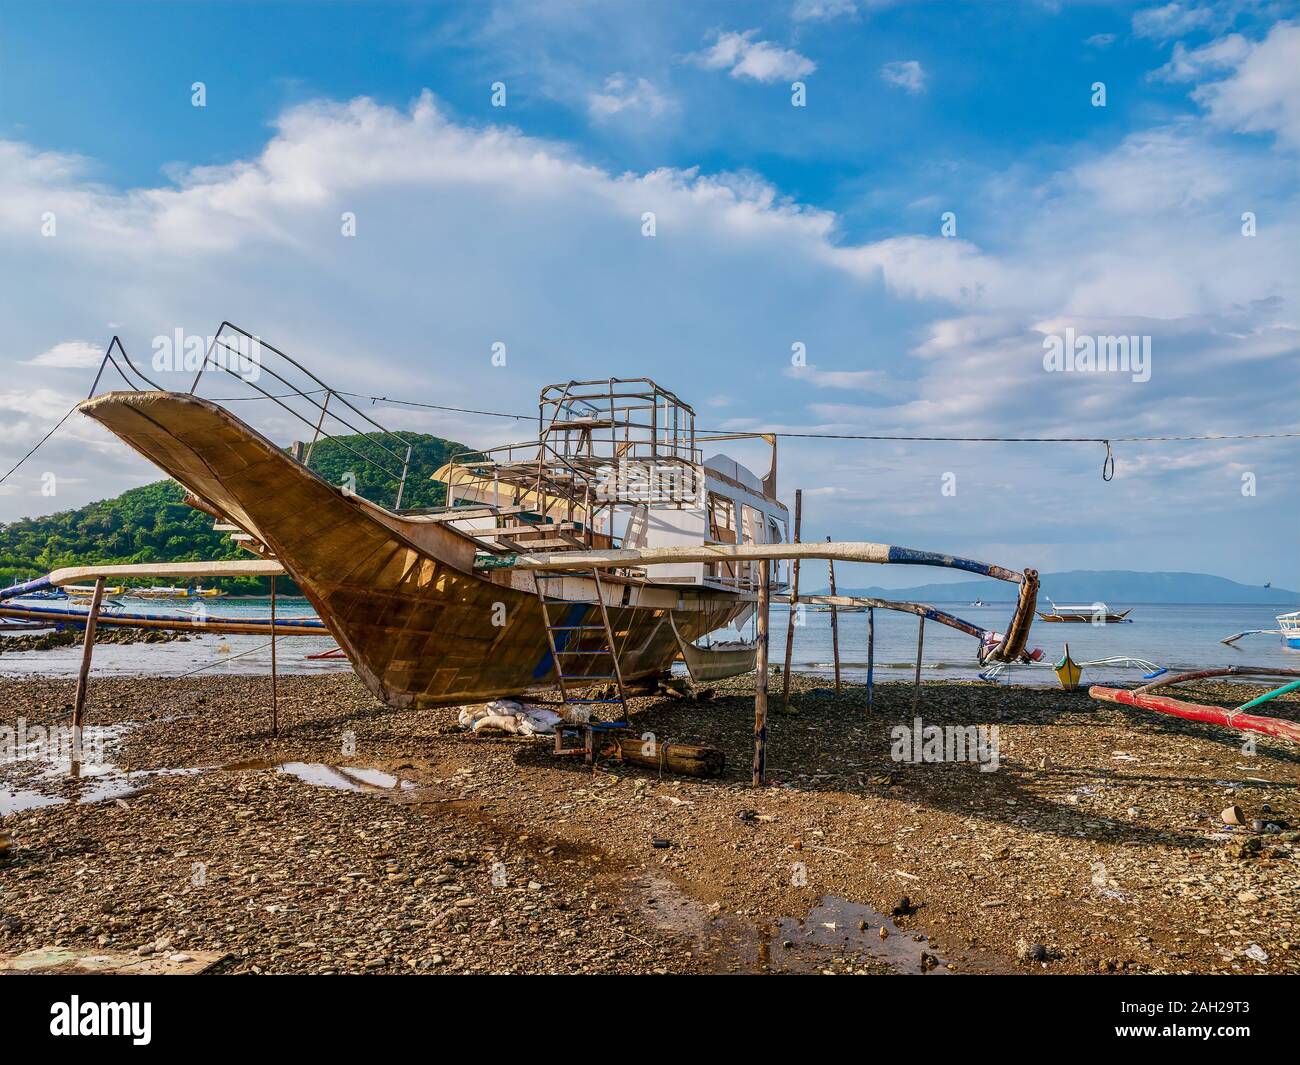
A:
(218, 355)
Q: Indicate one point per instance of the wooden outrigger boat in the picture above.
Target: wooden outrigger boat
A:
(1288, 627)
(171, 592)
(1095, 614)
(585, 556)
(1146, 698)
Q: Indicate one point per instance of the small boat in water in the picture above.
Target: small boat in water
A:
(1093, 614)
(85, 591)
(1288, 627)
(171, 593)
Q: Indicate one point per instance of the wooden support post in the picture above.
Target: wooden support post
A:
(794, 606)
(920, 647)
(760, 679)
(275, 683)
(871, 656)
(835, 624)
(83, 678)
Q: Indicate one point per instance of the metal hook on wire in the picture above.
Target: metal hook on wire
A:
(1108, 463)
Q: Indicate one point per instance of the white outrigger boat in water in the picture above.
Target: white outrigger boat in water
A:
(1288, 627)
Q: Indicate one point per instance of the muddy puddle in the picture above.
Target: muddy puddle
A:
(836, 936)
(31, 779)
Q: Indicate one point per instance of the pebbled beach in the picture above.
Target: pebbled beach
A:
(364, 839)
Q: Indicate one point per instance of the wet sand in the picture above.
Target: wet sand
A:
(364, 839)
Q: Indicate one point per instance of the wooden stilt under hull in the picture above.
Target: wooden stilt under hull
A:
(398, 593)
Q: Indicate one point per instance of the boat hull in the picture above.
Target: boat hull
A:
(400, 594)
(1085, 619)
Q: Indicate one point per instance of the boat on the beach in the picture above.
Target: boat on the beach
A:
(171, 592)
(85, 591)
(1092, 614)
(1146, 698)
(579, 557)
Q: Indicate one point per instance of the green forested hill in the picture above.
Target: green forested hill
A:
(151, 524)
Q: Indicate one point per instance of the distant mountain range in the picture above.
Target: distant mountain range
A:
(1113, 587)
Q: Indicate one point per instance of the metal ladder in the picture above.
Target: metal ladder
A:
(578, 737)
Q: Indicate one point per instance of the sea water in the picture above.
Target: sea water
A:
(1178, 637)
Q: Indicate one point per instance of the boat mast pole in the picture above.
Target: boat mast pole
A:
(871, 656)
(760, 681)
(794, 606)
(275, 693)
(83, 677)
(406, 464)
(835, 624)
(920, 647)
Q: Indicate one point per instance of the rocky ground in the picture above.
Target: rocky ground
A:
(12, 643)
(1096, 845)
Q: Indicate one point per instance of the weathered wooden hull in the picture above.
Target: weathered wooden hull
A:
(400, 594)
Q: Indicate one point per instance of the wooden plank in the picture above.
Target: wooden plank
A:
(688, 759)
(63, 960)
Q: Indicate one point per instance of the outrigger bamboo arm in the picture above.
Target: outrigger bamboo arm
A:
(844, 551)
(1008, 649)
(923, 610)
(233, 568)
(75, 574)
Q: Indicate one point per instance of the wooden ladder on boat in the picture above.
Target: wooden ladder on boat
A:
(564, 637)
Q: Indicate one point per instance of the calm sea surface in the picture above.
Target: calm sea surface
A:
(1178, 637)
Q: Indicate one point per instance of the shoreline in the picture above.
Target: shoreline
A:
(1097, 837)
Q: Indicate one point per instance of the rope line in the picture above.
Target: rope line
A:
(38, 444)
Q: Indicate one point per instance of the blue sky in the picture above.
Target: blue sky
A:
(776, 225)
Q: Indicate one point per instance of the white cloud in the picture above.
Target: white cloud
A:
(622, 93)
(823, 10)
(502, 236)
(1262, 95)
(905, 74)
(1188, 64)
(851, 380)
(1100, 40)
(1173, 20)
(71, 354)
(761, 61)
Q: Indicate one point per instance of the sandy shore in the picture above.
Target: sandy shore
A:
(1097, 838)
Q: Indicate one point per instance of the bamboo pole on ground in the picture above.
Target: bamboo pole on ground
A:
(794, 606)
(83, 677)
(760, 681)
(835, 624)
(871, 656)
(920, 647)
(275, 692)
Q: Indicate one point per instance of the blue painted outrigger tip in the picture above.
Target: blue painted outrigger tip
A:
(1152, 676)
